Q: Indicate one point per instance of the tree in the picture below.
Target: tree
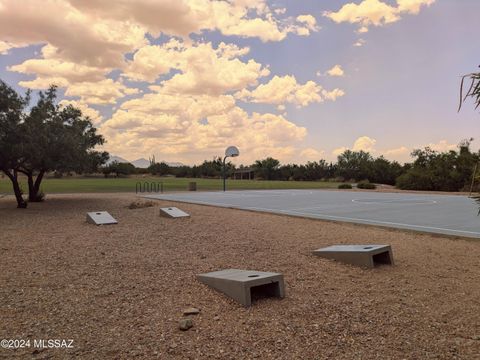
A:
(267, 168)
(447, 171)
(159, 169)
(12, 153)
(57, 139)
(212, 168)
(46, 138)
(383, 171)
(354, 165)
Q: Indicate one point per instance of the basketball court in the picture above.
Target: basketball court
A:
(441, 214)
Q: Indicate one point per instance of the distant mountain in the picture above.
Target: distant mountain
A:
(141, 163)
(117, 159)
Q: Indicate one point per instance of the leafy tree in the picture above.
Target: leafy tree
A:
(432, 170)
(383, 171)
(354, 165)
(12, 153)
(183, 171)
(57, 139)
(159, 169)
(46, 138)
(267, 168)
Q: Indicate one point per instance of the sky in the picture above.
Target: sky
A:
(298, 80)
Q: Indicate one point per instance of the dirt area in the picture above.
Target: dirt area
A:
(119, 291)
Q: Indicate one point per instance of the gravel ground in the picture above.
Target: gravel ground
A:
(119, 291)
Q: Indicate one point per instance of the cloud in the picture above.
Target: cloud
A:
(93, 50)
(336, 71)
(5, 46)
(172, 126)
(364, 143)
(359, 43)
(412, 6)
(101, 92)
(47, 69)
(311, 154)
(441, 146)
(375, 12)
(86, 40)
(402, 150)
(286, 89)
(309, 24)
(200, 66)
(204, 70)
(243, 18)
(74, 36)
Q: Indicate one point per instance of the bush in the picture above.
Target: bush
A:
(344, 186)
(366, 185)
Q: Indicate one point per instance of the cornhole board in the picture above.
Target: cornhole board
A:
(243, 285)
(173, 213)
(360, 255)
(100, 218)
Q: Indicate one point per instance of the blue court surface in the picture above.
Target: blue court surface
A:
(442, 214)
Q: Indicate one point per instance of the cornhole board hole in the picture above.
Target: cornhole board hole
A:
(360, 255)
(100, 218)
(173, 213)
(245, 285)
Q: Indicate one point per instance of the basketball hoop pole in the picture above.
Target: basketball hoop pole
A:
(224, 174)
(231, 151)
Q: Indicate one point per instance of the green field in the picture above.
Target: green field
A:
(101, 185)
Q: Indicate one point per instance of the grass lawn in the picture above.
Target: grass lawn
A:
(100, 185)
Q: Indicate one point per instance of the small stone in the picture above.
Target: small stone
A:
(185, 324)
(216, 318)
(191, 311)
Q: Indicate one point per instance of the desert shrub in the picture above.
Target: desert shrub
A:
(344, 186)
(366, 185)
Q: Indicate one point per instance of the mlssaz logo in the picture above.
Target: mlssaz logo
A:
(53, 343)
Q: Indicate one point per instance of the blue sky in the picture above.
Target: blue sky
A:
(184, 79)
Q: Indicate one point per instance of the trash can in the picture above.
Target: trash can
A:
(192, 186)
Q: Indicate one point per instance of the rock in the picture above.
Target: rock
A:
(216, 318)
(185, 324)
(191, 311)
